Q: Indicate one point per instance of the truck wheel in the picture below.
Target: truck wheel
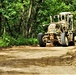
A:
(72, 42)
(41, 43)
(64, 39)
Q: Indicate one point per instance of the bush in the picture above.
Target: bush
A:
(3, 43)
(7, 40)
(26, 41)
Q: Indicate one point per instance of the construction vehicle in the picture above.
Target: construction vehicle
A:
(59, 31)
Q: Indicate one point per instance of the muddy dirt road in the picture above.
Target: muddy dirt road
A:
(27, 60)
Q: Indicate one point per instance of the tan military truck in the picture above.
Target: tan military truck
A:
(59, 32)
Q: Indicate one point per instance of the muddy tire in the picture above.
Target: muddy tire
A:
(64, 39)
(72, 42)
(41, 43)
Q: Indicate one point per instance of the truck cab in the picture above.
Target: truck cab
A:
(60, 30)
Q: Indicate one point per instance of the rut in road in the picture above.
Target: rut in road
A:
(37, 60)
(66, 59)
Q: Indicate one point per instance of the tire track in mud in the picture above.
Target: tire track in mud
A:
(15, 62)
(67, 59)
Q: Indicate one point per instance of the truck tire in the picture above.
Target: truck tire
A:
(64, 39)
(41, 43)
(72, 43)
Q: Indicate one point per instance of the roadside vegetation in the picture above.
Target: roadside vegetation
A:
(7, 40)
(22, 20)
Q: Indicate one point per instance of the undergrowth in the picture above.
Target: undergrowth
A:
(6, 41)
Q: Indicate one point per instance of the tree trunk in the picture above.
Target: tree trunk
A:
(23, 21)
(0, 19)
(33, 10)
(23, 24)
(9, 27)
(33, 28)
(1, 6)
(28, 26)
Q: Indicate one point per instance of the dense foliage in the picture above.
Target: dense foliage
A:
(22, 19)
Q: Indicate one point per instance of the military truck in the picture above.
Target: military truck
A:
(59, 31)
